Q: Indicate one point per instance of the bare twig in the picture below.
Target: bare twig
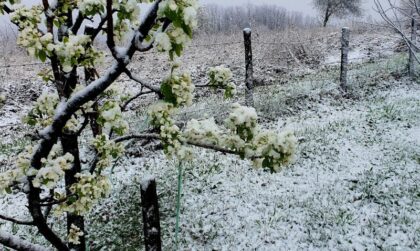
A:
(19, 222)
(143, 83)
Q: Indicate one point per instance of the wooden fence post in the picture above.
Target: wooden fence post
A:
(411, 56)
(151, 221)
(249, 69)
(345, 48)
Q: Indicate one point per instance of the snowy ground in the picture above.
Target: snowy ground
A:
(354, 185)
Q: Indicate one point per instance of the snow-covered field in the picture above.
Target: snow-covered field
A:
(354, 184)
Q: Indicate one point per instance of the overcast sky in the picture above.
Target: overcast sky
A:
(304, 6)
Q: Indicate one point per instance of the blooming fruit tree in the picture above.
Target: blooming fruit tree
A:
(50, 171)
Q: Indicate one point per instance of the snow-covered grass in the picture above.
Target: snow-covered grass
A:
(354, 185)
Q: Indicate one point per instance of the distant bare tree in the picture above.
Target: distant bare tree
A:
(400, 16)
(338, 8)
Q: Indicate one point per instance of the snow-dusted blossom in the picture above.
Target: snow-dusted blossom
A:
(26, 17)
(107, 151)
(91, 7)
(162, 42)
(110, 116)
(30, 36)
(88, 190)
(183, 14)
(190, 16)
(242, 121)
(170, 133)
(178, 89)
(74, 235)
(273, 150)
(73, 51)
(178, 37)
(132, 10)
(53, 169)
(205, 131)
(7, 179)
(160, 113)
(221, 77)
(23, 162)
(127, 18)
(44, 109)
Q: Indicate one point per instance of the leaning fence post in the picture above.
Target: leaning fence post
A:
(411, 56)
(249, 70)
(151, 221)
(345, 43)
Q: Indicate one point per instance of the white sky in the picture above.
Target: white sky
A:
(304, 6)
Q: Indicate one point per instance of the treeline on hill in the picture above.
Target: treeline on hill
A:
(215, 18)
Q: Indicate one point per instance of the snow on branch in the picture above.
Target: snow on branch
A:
(16, 243)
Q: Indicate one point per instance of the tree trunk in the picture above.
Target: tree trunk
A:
(326, 18)
(249, 69)
(151, 221)
(70, 145)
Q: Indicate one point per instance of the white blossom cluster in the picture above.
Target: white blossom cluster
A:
(160, 113)
(221, 77)
(44, 109)
(170, 133)
(163, 42)
(7, 179)
(26, 17)
(18, 175)
(204, 131)
(107, 151)
(242, 121)
(48, 176)
(72, 52)
(241, 134)
(91, 7)
(183, 14)
(87, 191)
(181, 89)
(29, 37)
(74, 235)
(132, 10)
(53, 169)
(110, 116)
(188, 8)
(273, 150)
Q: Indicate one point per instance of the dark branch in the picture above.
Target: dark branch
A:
(19, 222)
(151, 136)
(138, 80)
(141, 93)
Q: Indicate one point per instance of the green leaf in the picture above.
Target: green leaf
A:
(166, 90)
(42, 55)
(8, 190)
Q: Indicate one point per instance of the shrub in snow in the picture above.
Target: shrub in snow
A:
(51, 172)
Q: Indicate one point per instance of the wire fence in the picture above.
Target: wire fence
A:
(307, 51)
